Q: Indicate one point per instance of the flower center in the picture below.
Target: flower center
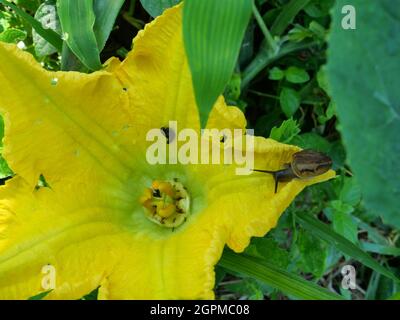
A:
(166, 203)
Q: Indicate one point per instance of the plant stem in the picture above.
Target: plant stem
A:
(268, 37)
(264, 58)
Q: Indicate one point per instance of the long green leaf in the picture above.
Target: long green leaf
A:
(77, 20)
(275, 277)
(50, 35)
(325, 233)
(378, 248)
(288, 13)
(213, 32)
(363, 73)
(106, 12)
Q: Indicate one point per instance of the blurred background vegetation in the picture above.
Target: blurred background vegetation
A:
(284, 95)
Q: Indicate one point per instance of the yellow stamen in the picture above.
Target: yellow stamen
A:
(167, 211)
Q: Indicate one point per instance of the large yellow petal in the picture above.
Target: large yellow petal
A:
(42, 227)
(63, 125)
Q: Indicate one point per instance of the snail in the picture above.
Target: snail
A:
(305, 164)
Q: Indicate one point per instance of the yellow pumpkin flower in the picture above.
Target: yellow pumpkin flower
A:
(105, 218)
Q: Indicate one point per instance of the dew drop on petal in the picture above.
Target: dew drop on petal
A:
(54, 81)
(21, 45)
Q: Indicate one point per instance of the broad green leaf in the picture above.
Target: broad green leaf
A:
(50, 35)
(48, 17)
(313, 254)
(286, 132)
(342, 220)
(311, 140)
(213, 32)
(12, 35)
(290, 101)
(296, 75)
(275, 277)
(268, 249)
(106, 12)
(324, 232)
(156, 7)
(77, 20)
(364, 83)
(350, 192)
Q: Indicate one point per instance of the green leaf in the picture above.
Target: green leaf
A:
(380, 249)
(364, 84)
(290, 101)
(275, 277)
(311, 140)
(313, 254)
(342, 220)
(77, 20)
(40, 296)
(276, 74)
(156, 7)
(288, 13)
(325, 233)
(48, 17)
(350, 192)
(248, 287)
(286, 132)
(296, 75)
(106, 12)
(213, 32)
(50, 35)
(12, 35)
(5, 171)
(268, 249)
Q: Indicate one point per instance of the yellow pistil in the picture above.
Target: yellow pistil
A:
(166, 203)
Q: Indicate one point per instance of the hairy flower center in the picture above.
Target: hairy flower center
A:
(166, 203)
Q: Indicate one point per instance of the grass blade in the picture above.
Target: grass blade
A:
(325, 233)
(106, 12)
(49, 35)
(288, 13)
(77, 20)
(380, 249)
(273, 276)
(213, 32)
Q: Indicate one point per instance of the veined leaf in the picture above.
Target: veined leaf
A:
(12, 35)
(364, 83)
(106, 12)
(48, 17)
(77, 21)
(50, 35)
(325, 233)
(213, 32)
(275, 277)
